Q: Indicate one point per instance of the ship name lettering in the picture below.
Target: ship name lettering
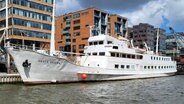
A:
(49, 61)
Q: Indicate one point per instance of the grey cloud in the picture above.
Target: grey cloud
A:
(118, 5)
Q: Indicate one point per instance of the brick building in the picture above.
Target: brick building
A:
(72, 30)
(145, 32)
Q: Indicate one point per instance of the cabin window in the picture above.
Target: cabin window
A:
(100, 42)
(122, 66)
(95, 54)
(109, 42)
(89, 54)
(117, 54)
(95, 43)
(128, 56)
(116, 66)
(113, 54)
(139, 57)
(144, 67)
(148, 67)
(128, 66)
(133, 56)
(115, 47)
(123, 55)
(151, 67)
(102, 53)
(151, 57)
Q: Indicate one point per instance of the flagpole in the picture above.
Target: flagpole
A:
(52, 40)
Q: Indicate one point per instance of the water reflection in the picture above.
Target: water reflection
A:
(167, 90)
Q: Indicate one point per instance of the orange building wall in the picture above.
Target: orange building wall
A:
(86, 20)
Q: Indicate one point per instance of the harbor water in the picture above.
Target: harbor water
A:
(166, 90)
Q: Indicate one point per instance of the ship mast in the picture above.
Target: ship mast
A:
(157, 41)
(52, 40)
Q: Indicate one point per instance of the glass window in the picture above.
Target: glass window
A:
(76, 28)
(128, 66)
(116, 66)
(81, 46)
(113, 54)
(102, 53)
(76, 15)
(100, 42)
(90, 43)
(122, 66)
(76, 22)
(95, 54)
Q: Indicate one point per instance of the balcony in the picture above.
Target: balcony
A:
(68, 19)
(68, 43)
(67, 36)
(67, 25)
(66, 31)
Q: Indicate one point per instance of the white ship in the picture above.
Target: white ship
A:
(105, 58)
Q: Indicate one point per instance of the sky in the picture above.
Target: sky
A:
(159, 13)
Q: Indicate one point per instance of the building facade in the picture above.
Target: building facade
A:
(175, 45)
(73, 29)
(29, 21)
(147, 33)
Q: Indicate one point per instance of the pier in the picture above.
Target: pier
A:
(10, 78)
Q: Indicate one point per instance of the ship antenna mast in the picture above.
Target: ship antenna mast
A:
(52, 40)
(157, 41)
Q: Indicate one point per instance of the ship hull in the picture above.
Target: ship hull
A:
(36, 68)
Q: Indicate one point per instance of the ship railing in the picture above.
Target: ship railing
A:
(70, 56)
(27, 47)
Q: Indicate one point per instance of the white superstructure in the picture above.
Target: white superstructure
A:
(106, 52)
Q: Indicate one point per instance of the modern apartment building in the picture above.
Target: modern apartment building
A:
(147, 33)
(29, 21)
(73, 29)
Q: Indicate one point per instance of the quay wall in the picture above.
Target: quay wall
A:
(10, 78)
(180, 68)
